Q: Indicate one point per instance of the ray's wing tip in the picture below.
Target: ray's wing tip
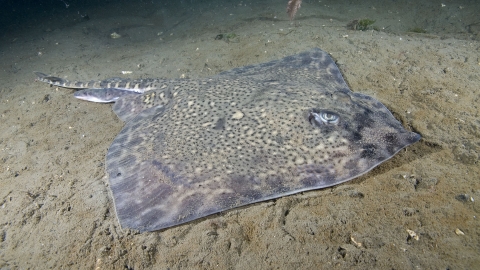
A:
(413, 138)
(406, 139)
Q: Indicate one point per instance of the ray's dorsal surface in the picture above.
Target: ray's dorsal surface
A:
(191, 148)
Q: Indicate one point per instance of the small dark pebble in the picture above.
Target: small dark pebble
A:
(462, 198)
(409, 211)
(355, 194)
(342, 251)
(3, 236)
(46, 98)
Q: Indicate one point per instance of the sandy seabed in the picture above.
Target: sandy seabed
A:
(56, 210)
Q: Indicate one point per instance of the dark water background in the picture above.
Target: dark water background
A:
(17, 15)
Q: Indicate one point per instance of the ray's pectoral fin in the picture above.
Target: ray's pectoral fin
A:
(129, 106)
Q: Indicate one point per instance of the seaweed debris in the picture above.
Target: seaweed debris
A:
(361, 25)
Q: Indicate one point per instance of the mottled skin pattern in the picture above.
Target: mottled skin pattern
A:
(192, 148)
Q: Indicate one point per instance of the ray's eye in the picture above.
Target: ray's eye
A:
(329, 118)
(323, 117)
